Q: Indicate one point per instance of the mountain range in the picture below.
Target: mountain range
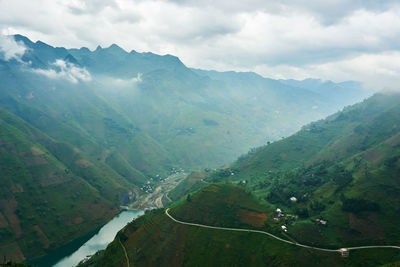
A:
(81, 129)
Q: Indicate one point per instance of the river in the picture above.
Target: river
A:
(101, 239)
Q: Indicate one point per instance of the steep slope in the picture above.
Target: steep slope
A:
(45, 186)
(343, 170)
(156, 240)
(200, 118)
(67, 158)
(72, 111)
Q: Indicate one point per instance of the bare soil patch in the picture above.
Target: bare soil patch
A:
(42, 237)
(393, 141)
(368, 227)
(374, 155)
(253, 218)
(36, 151)
(75, 221)
(3, 221)
(12, 252)
(83, 163)
(53, 179)
(17, 188)
(32, 160)
(8, 206)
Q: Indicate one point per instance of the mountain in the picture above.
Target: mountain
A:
(68, 158)
(335, 182)
(80, 129)
(201, 118)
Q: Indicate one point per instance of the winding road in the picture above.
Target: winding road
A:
(273, 236)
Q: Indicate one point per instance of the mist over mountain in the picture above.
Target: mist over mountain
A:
(81, 128)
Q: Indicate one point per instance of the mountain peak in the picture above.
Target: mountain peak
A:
(71, 59)
(21, 38)
(115, 49)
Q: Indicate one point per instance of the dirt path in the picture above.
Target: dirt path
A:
(273, 236)
(126, 254)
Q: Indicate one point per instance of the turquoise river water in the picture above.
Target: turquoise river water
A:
(101, 239)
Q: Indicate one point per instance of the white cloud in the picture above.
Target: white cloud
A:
(10, 49)
(118, 83)
(279, 38)
(376, 71)
(65, 71)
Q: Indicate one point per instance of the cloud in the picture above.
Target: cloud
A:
(10, 49)
(278, 38)
(118, 83)
(376, 71)
(65, 71)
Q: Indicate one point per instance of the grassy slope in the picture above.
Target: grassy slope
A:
(344, 169)
(66, 158)
(45, 186)
(155, 240)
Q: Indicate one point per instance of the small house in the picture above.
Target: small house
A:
(344, 252)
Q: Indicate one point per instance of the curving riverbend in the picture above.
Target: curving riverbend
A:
(100, 240)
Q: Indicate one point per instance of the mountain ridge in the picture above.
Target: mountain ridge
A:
(114, 121)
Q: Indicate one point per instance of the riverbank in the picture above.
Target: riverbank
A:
(101, 239)
(59, 253)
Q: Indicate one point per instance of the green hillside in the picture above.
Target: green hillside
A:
(343, 169)
(156, 240)
(47, 186)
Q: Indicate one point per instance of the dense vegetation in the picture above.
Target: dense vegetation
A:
(155, 240)
(343, 170)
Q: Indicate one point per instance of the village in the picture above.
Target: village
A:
(288, 219)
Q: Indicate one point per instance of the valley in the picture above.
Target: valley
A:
(159, 197)
(199, 133)
(219, 151)
(326, 195)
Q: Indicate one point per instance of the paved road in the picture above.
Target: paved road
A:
(273, 236)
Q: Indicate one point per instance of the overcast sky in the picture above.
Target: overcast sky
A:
(330, 39)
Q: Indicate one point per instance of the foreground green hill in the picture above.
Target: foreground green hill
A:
(343, 170)
(156, 240)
